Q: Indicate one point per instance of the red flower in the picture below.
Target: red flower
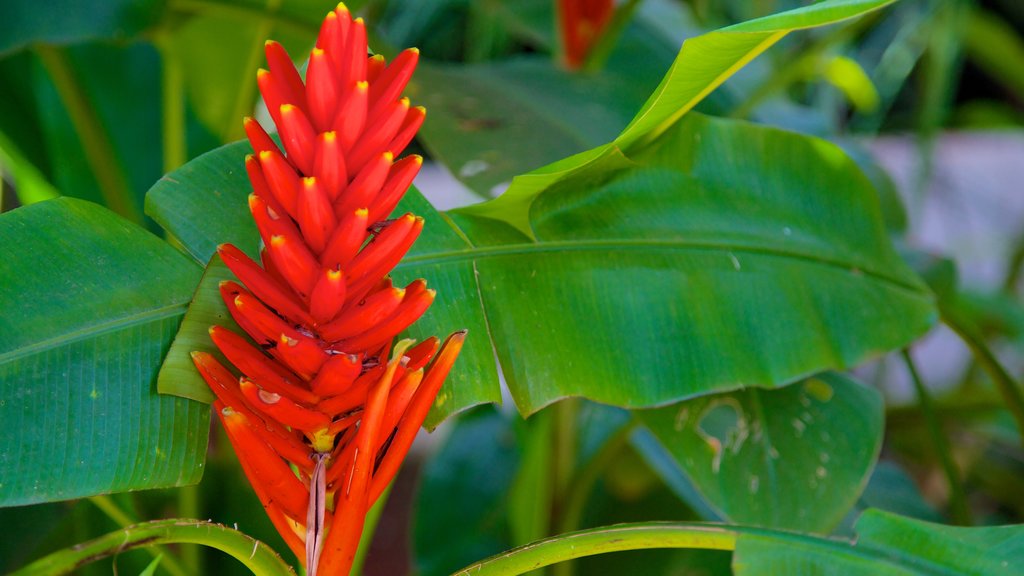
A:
(582, 22)
(327, 404)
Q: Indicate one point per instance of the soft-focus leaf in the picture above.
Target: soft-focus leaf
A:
(67, 21)
(703, 63)
(90, 303)
(653, 279)
(797, 457)
(89, 128)
(490, 122)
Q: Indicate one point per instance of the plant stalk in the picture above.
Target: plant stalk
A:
(1008, 389)
(95, 140)
(600, 541)
(255, 555)
(168, 562)
(957, 500)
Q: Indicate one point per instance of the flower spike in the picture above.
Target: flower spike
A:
(327, 402)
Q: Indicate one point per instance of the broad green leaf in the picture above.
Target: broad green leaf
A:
(725, 255)
(90, 304)
(796, 457)
(66, 21)
(204, 203)
(703, 64)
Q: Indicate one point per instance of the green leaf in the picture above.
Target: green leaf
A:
(491, 122)
(90, 303)
(69, 21)
(752, 259)
(703, 64)
(796, 457)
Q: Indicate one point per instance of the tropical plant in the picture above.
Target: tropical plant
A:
(675, 300)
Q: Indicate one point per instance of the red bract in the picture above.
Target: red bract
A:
(582, 22)
(327, 404)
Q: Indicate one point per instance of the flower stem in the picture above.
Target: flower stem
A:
(255, 555)
(957, 501)
(600, 541)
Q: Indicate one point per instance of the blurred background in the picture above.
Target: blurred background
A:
(98, 99)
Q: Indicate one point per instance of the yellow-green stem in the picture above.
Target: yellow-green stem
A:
(255, 555)
(600, 541)
(95, 140)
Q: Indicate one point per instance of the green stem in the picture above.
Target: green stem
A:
(168, 562)
(602, 50)
(189, 507)
(243, 106)
(96, 144)
(172, 89)
(583, 484)
(957, 500)
(1008, 389)
(600, 541)
(253, 554)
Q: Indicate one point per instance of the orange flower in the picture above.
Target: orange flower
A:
(582, 22)
(327, 404)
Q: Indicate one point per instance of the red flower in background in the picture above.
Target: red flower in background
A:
(327, 404)
(582, 22)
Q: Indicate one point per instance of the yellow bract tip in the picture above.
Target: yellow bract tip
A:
(414, 50)
(277, 240)
(341, 7)
(330, 136)
(389, 155)
(362, 212)
(309, 181)
(319, 52)
(266, 154)
(362, 85)
(417, 158)
(288, 108)
(334, 274)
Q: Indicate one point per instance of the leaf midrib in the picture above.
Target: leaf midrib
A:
(650, 245)
(94, 330)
